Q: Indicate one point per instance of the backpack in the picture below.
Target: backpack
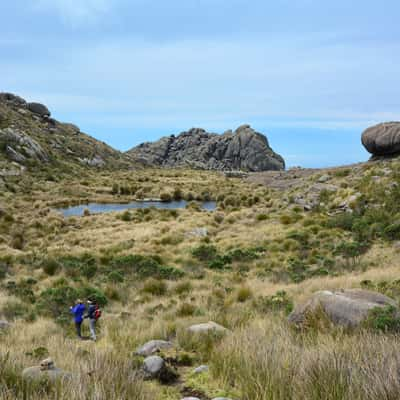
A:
(97, 313)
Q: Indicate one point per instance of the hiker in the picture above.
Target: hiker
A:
(93, 315)
(78, 310)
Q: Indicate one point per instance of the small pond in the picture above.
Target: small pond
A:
(96, 208)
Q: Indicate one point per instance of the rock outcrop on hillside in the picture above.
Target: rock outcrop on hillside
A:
(245, 149)
(30, 139)
(382, 139)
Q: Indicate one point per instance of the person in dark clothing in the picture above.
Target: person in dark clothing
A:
(92, 307)
(78, 310)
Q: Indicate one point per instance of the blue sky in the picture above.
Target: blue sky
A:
(311, 75)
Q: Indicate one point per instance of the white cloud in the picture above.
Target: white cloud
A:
(75, 12)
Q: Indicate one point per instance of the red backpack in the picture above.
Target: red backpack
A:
(97, 313)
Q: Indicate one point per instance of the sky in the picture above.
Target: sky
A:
(309, 74)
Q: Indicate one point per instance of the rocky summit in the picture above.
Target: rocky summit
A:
(382, 139)
(244, 149)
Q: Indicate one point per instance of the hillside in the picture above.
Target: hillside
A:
(31, 140)
(244, 149)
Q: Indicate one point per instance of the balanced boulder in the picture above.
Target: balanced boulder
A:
(39, 109)
(46, 370)
(382, 139)
(347, 308)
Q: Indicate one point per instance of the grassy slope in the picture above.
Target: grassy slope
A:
(265, 235)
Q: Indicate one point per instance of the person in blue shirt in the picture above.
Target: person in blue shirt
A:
(78, 310)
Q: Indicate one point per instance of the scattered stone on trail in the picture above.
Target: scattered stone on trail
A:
(207, 327)
(153, 346)
(46, 369)
(154, 367)
(347, 308)
(201, 369)
(39, 109)
(382, 139)
(4, 324)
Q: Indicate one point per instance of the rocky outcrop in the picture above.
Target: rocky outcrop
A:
(347, 308)
(244, 149)
(382, 139)
(20, 147)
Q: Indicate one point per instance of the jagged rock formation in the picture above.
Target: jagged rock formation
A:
(382, 139)
(30, 139)
(244, 149)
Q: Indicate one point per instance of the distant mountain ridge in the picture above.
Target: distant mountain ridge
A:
(244, 149)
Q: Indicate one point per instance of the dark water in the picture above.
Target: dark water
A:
(96, 208)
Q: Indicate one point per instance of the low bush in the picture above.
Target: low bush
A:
(384, 319)
(155, 287)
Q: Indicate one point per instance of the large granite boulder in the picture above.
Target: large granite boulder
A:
(39, 109)
(382, 139)
(347, 308)
(245, 149)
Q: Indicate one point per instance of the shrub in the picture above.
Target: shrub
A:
(115, 277)
(385, 319)
(278, 302)
(186, 310)
(50, 266)
(155, 287)
(126, 216)
(262, 217)
(205, 252)
(165, 196)
(177, 195)
(243, 294)
(183, 287)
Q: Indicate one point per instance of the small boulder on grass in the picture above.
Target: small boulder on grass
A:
(207, 327)
(153, 346)
(200, 370)
(4, 325)
(154, 367)
(46, 370)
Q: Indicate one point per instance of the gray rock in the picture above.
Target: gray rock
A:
(190, 398)
(4, 324)
(46, 370)
(152, 347)
(201, 370)
(207, 328)
(12, 98)
(39, 109)
(20, 146)
(96, 161)
(153, 366)
(198, 232)
(245, 150)
(324, 178)
(382, 139)
(346, 308)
